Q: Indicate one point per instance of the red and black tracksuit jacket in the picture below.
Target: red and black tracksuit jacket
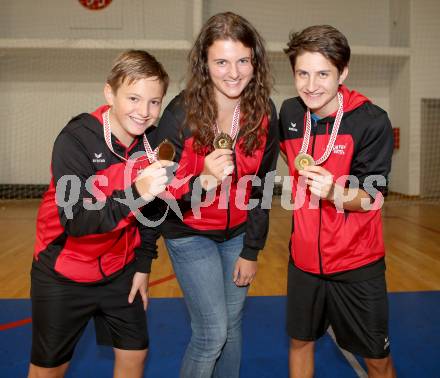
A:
(325, 241)
(83, 245)
(222, 219)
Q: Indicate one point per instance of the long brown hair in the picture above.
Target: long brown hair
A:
(201, 107)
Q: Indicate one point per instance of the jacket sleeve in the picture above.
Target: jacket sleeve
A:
(149, 234)
(373, 154)
(147, 250)
(80, 212)
(257, 224)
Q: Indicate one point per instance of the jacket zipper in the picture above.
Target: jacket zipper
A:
(228, 210)
(126, 241)
(228, 220)
(319, 239)
(315, 130)
(100, 268)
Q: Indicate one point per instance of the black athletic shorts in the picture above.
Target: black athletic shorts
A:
(356, 311)
(61, 311)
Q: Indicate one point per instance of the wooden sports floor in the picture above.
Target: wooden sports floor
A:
(411, 231)
(412, 236)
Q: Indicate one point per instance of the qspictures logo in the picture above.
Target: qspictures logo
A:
(72, 191)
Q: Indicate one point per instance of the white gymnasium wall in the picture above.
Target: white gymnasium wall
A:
(399, 115)
(123, 19)
(425, 77)
(41, 88)
(365, 22)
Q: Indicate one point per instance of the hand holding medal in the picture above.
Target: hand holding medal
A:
(319, 180)
(152, 180)
(219, 163)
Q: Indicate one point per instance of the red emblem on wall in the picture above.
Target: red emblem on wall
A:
(95, 4)
(396, 136)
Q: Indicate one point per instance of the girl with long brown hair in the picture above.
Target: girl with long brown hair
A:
(224, 129)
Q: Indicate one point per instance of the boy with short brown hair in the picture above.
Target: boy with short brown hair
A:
(338, 146)
(92, 258)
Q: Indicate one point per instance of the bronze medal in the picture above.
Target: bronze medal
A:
(224, 141)
(166, 151)
(303, 160)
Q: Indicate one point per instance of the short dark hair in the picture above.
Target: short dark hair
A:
(134, 65)
(324, 39)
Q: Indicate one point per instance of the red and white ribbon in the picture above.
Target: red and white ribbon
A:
(234, 125)
(333, 135)
(151, 155)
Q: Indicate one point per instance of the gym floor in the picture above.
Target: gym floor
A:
(412, 237)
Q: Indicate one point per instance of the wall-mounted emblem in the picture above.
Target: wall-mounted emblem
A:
(95, 4)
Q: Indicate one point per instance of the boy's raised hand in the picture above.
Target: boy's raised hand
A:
(153, 180)
(319, 180)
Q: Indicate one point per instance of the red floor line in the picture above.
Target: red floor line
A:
(19, 323)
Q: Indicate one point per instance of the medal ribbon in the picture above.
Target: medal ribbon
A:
(234, 125)
(333, 135)
(151, 155)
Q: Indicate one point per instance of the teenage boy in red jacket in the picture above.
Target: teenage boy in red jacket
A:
(338, 146)
(92, 257)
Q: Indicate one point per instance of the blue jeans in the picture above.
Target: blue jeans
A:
(215, 304)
